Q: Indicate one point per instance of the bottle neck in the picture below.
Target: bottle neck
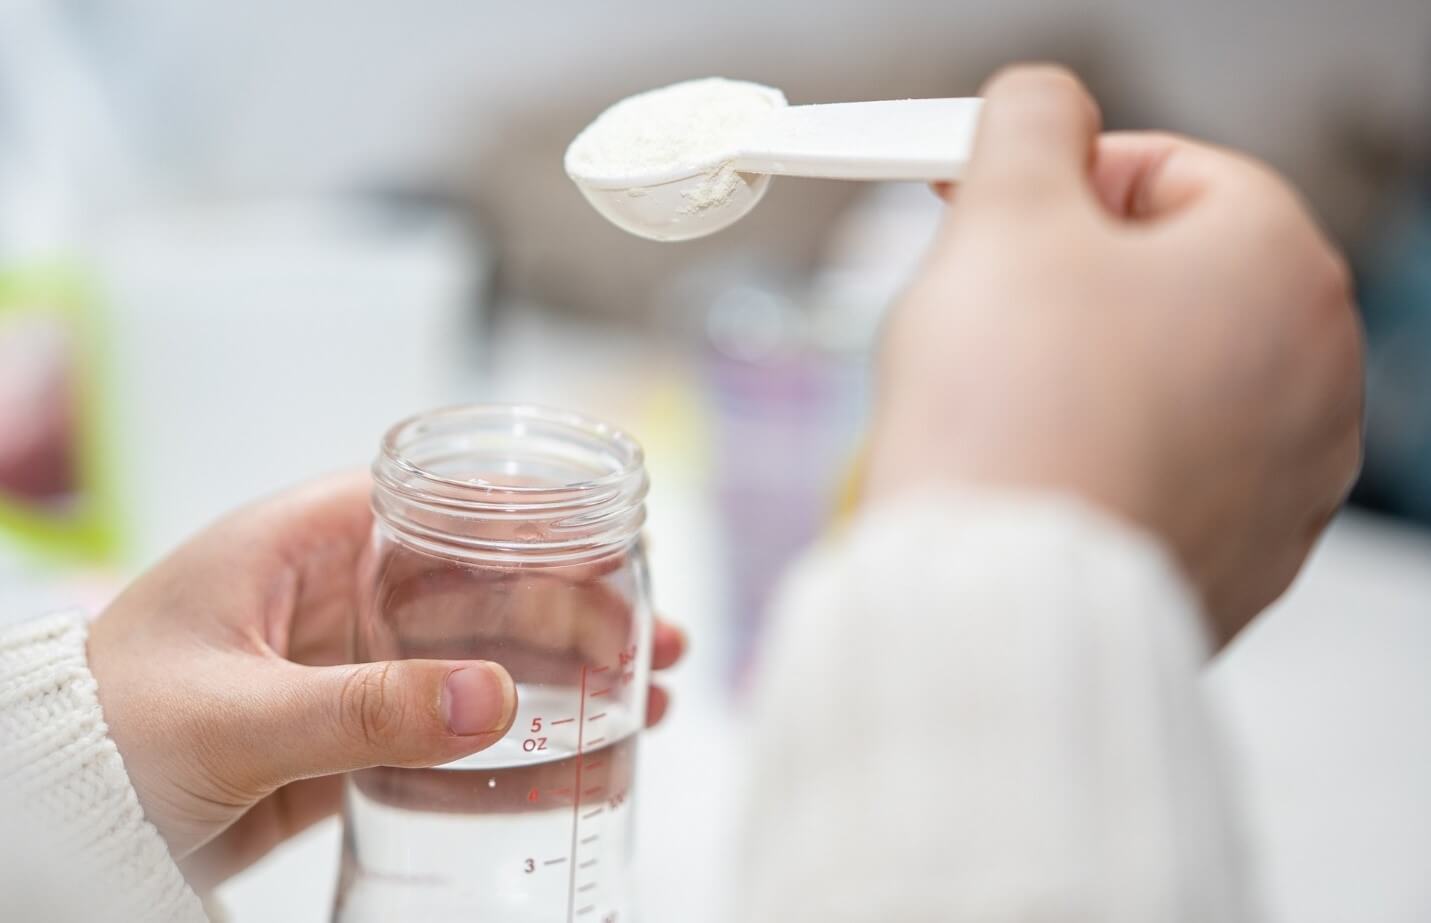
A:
(510, 485)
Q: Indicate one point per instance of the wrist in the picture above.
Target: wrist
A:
(908, 456)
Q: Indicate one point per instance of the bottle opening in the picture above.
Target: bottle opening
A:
(510, 482)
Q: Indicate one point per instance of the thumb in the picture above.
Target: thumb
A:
(1035, 139)
(394, 713)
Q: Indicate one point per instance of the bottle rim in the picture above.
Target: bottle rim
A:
(452, 515)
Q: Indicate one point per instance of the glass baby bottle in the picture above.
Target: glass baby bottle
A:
(509, 534)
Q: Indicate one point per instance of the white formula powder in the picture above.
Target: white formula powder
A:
(688, 128)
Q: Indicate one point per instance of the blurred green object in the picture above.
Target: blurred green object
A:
(56, 497)
(1395, 295)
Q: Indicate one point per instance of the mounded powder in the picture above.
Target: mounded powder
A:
(691, 127)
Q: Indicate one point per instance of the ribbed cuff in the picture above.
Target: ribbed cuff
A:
(68, 777)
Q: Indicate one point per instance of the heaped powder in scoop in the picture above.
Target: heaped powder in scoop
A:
(691, 127)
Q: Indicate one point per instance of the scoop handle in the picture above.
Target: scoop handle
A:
(900, 139)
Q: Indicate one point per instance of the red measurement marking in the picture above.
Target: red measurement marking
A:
(576, 801)
(593, 764)
(563, 721)
(601, 692)
(600, 669)
(560, 791)
(590, 814)
(596, 717)
(596, 741)
(593, 790)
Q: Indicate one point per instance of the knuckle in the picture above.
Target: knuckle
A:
(1269, 204)
(1276, 217)
(372, 708)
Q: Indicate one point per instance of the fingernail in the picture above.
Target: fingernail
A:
(478, 699)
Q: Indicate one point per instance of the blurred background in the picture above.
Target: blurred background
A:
(237, 241)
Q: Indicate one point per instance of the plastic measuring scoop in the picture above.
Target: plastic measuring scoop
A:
(907, 139)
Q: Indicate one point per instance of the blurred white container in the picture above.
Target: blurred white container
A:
(252, 345)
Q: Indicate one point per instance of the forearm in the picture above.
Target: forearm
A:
(985, 707)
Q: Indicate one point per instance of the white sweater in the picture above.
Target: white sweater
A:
(973, 708)
(985, 707)
(64, 793)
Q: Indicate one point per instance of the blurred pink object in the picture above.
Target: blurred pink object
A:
(37, 413)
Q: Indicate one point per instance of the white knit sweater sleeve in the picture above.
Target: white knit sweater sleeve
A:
(984, 707)
(74, 842)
